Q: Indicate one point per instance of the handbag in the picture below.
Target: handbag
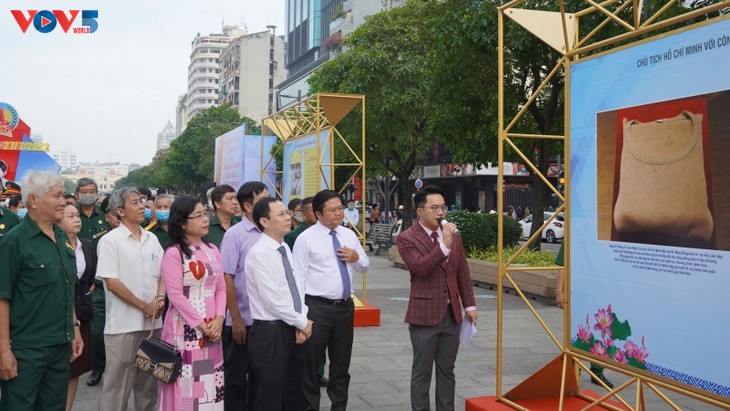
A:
(663, 161)
(158, 358)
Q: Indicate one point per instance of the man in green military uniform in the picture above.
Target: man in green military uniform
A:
(93, 226)
(308, 219)
(93, 223)
(8, 220)
(158, 227)
(225, 206)
(37, 340)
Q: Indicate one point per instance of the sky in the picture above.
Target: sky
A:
(107, 94)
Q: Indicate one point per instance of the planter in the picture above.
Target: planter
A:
(484, 274)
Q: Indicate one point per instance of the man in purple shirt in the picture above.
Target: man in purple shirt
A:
(239, 388)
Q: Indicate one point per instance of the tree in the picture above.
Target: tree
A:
(147, 176)
(386, 59)
(190, 161)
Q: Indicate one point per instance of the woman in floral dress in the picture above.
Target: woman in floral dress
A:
(191, 269)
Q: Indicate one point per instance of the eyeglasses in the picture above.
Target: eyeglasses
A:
(196, 216)
(436, 208)
(335, 210)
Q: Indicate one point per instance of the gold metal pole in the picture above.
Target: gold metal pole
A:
(500, 189)
(364, 152)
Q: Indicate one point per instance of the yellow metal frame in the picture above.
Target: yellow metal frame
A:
(312, 116)
(573, 49)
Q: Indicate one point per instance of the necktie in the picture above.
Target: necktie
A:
(342, 266)
(290, 279)
(435, 237)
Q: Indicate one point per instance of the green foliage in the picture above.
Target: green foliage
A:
(386, 59)
(530, 258)
(479, 231)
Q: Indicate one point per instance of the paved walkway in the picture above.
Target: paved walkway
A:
(381, 357)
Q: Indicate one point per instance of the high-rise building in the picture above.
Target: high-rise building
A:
(250, 67)
(65, 158)
(314, 29)
(165, 137)
(204, 70)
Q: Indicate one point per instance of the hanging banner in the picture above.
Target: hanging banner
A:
(303, 158)
(649, 186)
(238, 158)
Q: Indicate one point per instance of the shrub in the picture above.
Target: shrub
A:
(528, 257)
(479, 231)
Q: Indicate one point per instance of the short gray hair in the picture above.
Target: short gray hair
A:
(163, 197)
(38, 183)
(118, 197)
(85, 181)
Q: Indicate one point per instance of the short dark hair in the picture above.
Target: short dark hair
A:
(306, 201)
(248, 191)
(420, 198)
(67, 196)
(218, 193)
(323, 197)
(262, 210)
(144, 191)
(16, 199)
(180, 209)
(294, 203)
(352, 200)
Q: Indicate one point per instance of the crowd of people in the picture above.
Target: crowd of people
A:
(256, 295)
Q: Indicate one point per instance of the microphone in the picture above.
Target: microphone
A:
(442, 221)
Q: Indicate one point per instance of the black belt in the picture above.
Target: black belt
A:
(334, 303)
(275, 323)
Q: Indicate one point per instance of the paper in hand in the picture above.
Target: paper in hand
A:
(468, 331)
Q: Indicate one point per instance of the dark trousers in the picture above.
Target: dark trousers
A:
(332, 331)
(98, 359)
(277, 362)
(42, 380)
(437, 345)
(240, 386)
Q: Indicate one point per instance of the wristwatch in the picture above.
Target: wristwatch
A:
(77, 323)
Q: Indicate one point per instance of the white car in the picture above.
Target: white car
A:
(552, 233)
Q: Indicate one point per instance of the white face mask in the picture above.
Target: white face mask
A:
(210, 205)
(298, 217)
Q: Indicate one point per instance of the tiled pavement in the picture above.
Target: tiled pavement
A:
(381, 357)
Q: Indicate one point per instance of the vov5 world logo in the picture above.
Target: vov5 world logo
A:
(45, 21)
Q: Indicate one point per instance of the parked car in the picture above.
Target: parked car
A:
(552, 233)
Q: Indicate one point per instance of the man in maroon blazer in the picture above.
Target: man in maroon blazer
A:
(440, 287)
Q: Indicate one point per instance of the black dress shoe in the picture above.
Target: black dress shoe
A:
(94, 378)
(603, 378)
(323, 381)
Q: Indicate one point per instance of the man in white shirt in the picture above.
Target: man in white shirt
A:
(352, 215)
(280, 323)
(326, 254)
(129, 265)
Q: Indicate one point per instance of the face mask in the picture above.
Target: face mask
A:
(210, 205)
(299, 217)
(87, 199)
(21, 212)
(162, 215)
(147, 212)
(351, 206)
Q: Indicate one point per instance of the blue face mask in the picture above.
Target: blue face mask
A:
(147, 213)
(21, 212)
(162, 215)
